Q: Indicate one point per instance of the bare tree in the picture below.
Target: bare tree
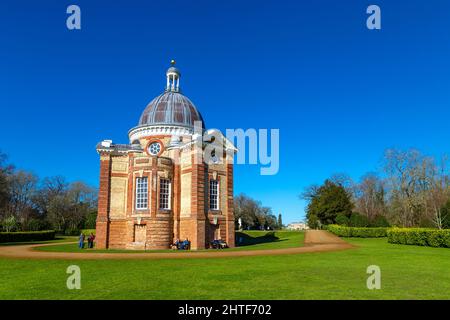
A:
(252, 213)
(5, 171)
(370, 196)
(407, 181)
(418, 187)
(23, 186)
(68, 209)
(50, 188)
(439, 191)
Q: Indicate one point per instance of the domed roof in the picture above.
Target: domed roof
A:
(173, 70)
(170, 108)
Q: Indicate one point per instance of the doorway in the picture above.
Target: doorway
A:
(140, 233)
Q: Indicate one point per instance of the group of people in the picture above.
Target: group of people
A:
(181, 245)
(90, 240)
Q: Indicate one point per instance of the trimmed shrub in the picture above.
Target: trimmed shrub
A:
(27, 236)
(420, 237)
(446, 239)
(342, 231)
(88, 231)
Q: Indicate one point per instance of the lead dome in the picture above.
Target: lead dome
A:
(171, 107)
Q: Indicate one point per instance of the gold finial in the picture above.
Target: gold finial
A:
(172, 62)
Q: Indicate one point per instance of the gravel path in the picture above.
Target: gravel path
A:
(315, 241)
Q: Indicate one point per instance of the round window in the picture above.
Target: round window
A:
(154, 148)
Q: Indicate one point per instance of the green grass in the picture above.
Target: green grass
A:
(407, 272)
(254, 240)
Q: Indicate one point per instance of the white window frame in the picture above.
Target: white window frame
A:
(169, 192)
(141, 195)
(217, 185)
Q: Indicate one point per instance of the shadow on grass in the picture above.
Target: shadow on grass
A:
(57, 239)
(243, 239)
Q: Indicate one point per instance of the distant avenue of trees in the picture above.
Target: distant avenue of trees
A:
(411, 190)
(253, 215)
(28, 203)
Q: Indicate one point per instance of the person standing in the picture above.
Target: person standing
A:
(91, 241)
(81, 242)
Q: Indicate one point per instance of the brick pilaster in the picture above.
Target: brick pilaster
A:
(198, 209)
(176, 185)
(229, 218)
(102, 225)
(153, 187)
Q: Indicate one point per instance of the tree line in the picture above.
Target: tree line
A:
(254, 215)
(409, 190)
(28, 203)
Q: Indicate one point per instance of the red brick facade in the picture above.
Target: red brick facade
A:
(120, 225)
(154, 190)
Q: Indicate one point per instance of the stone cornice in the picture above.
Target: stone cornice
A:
(137, 133)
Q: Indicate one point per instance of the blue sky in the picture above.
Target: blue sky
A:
(339, 93)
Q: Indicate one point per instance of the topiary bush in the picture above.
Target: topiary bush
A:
(420, 237)
(27, 236)
(342, 231)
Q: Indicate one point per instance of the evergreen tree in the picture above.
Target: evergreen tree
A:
(280, 221)
(327, 202)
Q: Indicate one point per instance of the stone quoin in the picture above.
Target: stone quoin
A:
(155, 189)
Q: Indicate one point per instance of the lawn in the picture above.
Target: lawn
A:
(407, 272)
(253, 240)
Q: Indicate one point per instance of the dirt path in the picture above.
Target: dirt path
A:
(315, 241)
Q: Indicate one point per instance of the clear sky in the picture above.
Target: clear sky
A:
(339, 93)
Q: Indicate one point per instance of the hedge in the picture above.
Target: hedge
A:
(27, 236)
(343, 231)
(87, 231)
(420, 237)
